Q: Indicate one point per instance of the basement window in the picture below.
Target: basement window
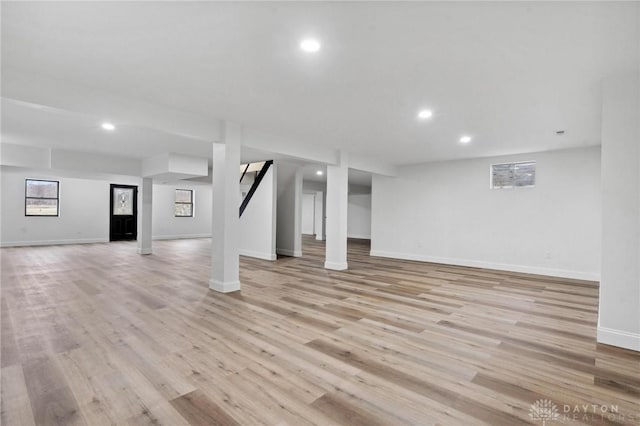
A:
(184, 203)
(41, 197)
(513, 175)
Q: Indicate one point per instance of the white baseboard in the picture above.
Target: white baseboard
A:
(619, 338)
(336, 266)
(360, 237)
(287, 252)
(561, 273)
(145, 251)
(52, 242)
(180, 237)
(257, 254)
(224, 287)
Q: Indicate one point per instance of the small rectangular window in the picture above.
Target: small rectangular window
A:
(184, 203)
(513, 175)
(41, 197)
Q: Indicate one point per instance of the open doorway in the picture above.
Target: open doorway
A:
(359, 215)
(308, 213)
(313, 213)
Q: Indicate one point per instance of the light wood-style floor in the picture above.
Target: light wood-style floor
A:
(98, 335)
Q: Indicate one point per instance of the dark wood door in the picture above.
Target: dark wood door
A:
(123, 211)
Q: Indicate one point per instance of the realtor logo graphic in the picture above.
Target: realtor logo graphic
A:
(544, 410)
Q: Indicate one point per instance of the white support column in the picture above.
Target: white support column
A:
(337, 198)
(145, 204)
(319, 215)
(297, 227)
(619, 311)
(225, 232)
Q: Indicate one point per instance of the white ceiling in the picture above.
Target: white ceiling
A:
(29, 124)
(508, 74)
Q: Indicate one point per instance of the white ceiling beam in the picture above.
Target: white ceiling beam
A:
(371, 165)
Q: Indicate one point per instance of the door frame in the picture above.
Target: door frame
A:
(135, 210)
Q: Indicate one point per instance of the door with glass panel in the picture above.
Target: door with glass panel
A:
(123, 213)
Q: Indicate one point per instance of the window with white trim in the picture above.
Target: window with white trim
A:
(41, 197)
(184, 203)
(513, 175)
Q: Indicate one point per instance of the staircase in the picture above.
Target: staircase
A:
(257, 171)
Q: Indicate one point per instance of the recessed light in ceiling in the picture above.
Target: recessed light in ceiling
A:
(465, 139)
(319, 173)
(424, 114)
(310, 45)
(108, 126)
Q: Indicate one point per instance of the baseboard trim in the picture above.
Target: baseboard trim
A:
(52, 242)
(336, 266)
(258, 255)
(224, 287)
(620, 338)
(360, 237)
(561, 273)
(291, 253)
(144, 251)
(180, 237)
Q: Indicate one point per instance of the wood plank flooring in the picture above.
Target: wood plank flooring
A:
(98, 335)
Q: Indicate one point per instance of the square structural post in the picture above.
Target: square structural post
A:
(337, 199)
(225, 232)
(619, 301)
(145, 204)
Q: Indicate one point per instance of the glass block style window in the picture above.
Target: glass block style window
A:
(513, 175)
(184, 203)
(41, 197)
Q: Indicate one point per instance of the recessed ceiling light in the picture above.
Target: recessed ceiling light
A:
(465, 139)
(310, 45)
(425, 113)
(319, 173)
(108, 126)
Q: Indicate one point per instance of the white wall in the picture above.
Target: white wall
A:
(445, 212)
(289, 209)
(94, 163)
(308, 213)
(84, 210)
(258, 222)
(359, 216)
(167, 226)
(619, 313)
